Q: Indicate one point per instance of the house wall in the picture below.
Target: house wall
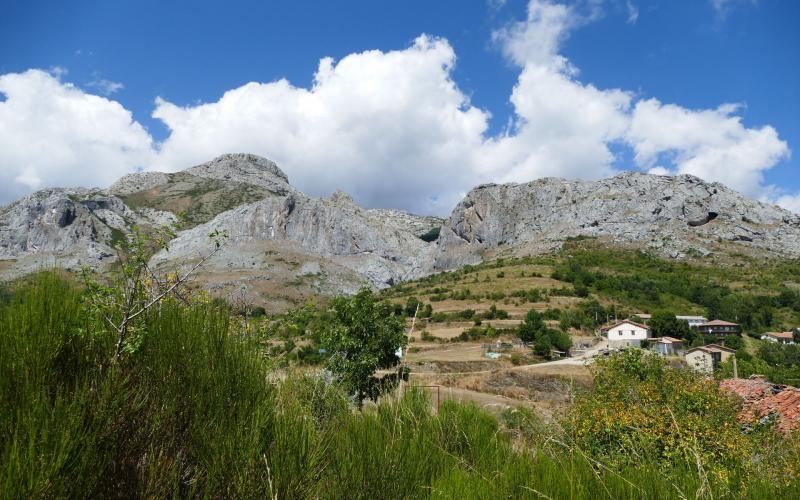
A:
(627, 335)
(718, 330)
(693, 321)
(700, 361)
(668, 349)
(724, 355)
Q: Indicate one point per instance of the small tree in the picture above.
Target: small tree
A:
(128, 295)
(532, 327)
(560, 340)
(665, 324)
(363, 336)
(542, 346)
(426, 311)
(411, 306)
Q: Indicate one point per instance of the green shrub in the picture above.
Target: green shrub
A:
(197, 410)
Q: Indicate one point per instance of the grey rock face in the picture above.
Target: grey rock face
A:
(140, 181)
(280, 237)
(335, 228)
(346, 244)
(244, 168)
(673, 215)
(61, 227)
(418, 225)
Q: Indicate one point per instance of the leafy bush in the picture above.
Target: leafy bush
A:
(665, 324)
(533, 329)
(495, 313)
(363, 335)
(643, 410)
(196, 410)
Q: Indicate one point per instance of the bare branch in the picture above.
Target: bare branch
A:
(178, 282)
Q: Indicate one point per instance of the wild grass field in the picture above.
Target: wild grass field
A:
(195, 407)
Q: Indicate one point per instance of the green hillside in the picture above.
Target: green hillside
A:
(761, 295)
(199, 199)
(191, 407)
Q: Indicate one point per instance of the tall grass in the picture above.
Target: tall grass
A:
(195, 411)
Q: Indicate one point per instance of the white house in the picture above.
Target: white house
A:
(694, 321)
(779, 337)
(626, 333)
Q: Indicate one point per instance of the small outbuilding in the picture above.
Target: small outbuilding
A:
(707, 358)
(667, 346)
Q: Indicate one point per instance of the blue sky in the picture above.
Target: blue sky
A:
(694, 54)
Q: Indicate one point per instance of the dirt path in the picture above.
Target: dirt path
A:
(581, 360)
(493, 402)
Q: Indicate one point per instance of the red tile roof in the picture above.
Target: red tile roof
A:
(712, 348)
(719, 322)
(780, 335)
(609, 327)
(763, 399)
(717, 347)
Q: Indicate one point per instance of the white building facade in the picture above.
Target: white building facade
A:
(627, 334)
(694, 321)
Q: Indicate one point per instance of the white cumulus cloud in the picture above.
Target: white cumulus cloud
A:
(789, 202)
(566, 127)
(54, 134)
(723, 7)
(392, 127)
(106, 87)
(712, 143)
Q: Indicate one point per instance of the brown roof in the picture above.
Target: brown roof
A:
(712, 348)
(666, 340)
(719, 322)
(717, 347)
(780, 335)
(762, 399)
(609, 327)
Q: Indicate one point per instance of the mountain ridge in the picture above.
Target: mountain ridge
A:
(337, 246)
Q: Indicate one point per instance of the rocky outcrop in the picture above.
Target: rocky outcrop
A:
(334, 228)
(60, 227)
(282, 240)
(673, 215)
(140, 181)
(247, 196)
(245, 169)
(419, 225)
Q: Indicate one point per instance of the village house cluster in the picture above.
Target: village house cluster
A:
(706, 358)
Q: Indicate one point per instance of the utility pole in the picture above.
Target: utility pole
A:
(413, 320)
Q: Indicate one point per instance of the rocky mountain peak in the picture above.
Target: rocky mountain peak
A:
(339, 197)
(672, 215)
(245, 168)
(285, 243)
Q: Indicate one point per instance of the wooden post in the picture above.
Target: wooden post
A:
(735, 368)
